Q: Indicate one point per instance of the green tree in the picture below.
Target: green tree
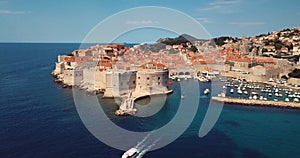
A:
(264, 50)
(173, 51)
(278, 46)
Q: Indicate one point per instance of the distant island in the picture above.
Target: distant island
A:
(146, 69)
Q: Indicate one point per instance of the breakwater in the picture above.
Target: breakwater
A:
(252, 102)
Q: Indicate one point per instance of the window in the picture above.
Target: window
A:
(139, 77)
(158, 83)
(148, 78)
(158, 78)
(133, 82)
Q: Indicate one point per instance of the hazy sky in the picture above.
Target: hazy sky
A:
(71, 20)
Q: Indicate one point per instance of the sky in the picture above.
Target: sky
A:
(72, 20)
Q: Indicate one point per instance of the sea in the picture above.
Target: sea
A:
(38, 118)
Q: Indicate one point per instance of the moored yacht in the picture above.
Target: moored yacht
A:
(240, 91)
(287, 99)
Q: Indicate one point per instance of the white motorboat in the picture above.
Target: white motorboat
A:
(270, 94)
(240, 91)
(131, 153)
(206, 91)
(231, 90)
(254, 97)
(287, 99)
(254, 93)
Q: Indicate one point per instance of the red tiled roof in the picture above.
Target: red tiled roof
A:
(155, 64)
(264, 60)
(77, 59)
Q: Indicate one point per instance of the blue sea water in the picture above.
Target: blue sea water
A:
(38, 118)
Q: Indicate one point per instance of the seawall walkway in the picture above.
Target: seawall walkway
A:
(252, 102)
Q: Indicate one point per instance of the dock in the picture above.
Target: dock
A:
(252, 102)
(127, 106)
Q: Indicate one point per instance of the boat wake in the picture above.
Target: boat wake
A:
(143, 141)
(145, 145)
(144, 149)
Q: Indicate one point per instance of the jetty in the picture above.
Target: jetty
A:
(252, 102)
(127, 106)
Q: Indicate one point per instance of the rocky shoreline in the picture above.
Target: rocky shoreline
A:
(59, 81)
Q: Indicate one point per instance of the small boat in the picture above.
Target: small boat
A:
(131, 153)
(254, 93)
(231, 90)
(240, 91)
(296, 100)
(254, 97)
(246, 92)
(206, 91)
(182, 96)
(286, 92)
(270, 94)
(223, 94)
(286, 99)
(178, 79)
(271, 80)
